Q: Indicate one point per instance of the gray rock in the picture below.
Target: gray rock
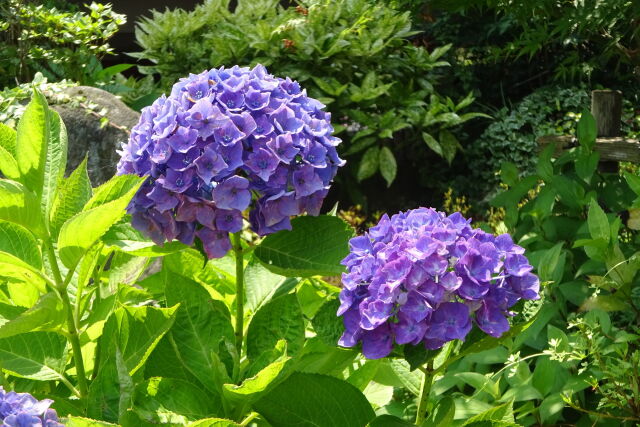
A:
(83, 114)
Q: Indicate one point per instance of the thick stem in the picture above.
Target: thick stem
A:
(425, 389)
(237, 249)
(72, 327)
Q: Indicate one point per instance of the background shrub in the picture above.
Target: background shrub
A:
(53, 38)
(356, 56)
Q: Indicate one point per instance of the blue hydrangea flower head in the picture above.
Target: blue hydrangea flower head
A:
(22, 409)
(224, 141)
(424, 278)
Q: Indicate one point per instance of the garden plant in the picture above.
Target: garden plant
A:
(289, 241)
(155, 299)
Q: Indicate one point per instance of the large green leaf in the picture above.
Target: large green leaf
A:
(12, 266)
(213, 422)
(587, 130)
(202, 325)
(388, 165)
(8, 164)
(164, 362)
(73, 194)
(129, 336)
(55, 161)
(169, 400)
(315, 400)
(598, 222)
(135, 331)
(46, 315)
(314, 246)
(261, 284)
(81, 231)
(85, 422)
(19, 205)
(502, 414)
(19, 242)
(327, 325)
(389, 421)
(38, 356)
(281, 318)
(369, 163)
(8, 139)
(252, 388)
(127, 239)
(32, 142)
(443, 413)
(113, 189)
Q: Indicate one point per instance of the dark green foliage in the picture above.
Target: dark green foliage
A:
(571, 220)
(60, 42)
(569, 41)
(512, 136)
(353, 55)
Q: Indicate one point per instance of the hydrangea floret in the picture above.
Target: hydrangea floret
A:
(423, 278)
(223, 141)
(22, 409)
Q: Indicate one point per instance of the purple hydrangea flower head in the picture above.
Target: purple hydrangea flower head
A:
(224, 141)
(424, 278)
(22, 409)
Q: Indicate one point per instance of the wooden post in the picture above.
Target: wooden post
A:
(606, 107)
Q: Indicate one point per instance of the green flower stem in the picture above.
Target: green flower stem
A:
(237, 249)
(75, 346)
(425, 389)
(71, 322)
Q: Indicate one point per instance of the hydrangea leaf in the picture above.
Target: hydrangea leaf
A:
(127, 239)
(170, 400)
(40, 356)
(129, 336)
(326, 324)
(261, 285)
(8, 139)
(8, 164)
(387, 420)
(55, 161)
(136, 331)
(213, 422)
(81, 231)
(113, 189)
(314, 246)
(19, 242)
(281, 318)
(442, 414)
(46, 315)
(86, 422)
(286, 406)
(73, 194)
(202, 323)
(21, 206)
(254, 387)
(32, 142)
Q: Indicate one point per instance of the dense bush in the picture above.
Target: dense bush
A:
(353, 55)
(58, 42)
(512, 135)
(568, 41)
(580, 228)
(86, 322)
